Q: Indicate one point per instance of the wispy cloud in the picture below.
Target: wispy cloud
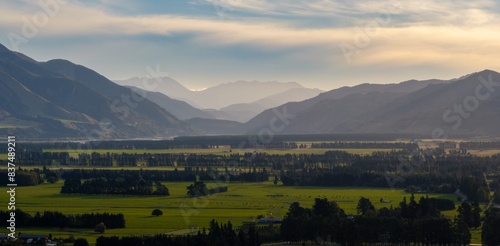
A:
(445, 33)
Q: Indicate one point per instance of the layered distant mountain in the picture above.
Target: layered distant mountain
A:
(178, 108)
(59, 99)
(164, 85)
(237, 101)
(226, 94)
(467, 106)
(243, 112)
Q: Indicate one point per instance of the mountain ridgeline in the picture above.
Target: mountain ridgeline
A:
(59, 99)
(468, 106)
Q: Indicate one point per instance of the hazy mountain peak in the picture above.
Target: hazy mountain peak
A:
(486, 72)
(60, 61)
(3, 48)
(255, 82)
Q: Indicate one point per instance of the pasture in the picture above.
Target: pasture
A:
(243, 202)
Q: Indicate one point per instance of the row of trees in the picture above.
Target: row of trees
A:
(435, 160)
(22, 178)
(120, 185)
(58, 219)
(413, 222)
(479, 145)
(199, 188)
(475, 188)
(116, 144)
(490, 235)
(204, 174)
(364, 145)
(219, 234)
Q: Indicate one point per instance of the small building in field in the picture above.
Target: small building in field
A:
(270, 220)
(33, 238)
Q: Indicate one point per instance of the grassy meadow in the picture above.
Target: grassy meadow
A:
(243, 202)
(182, 215)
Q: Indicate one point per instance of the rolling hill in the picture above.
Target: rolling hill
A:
(59, 99)
(450, 108)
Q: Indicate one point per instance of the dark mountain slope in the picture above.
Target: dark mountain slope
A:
(61, 99)
(409, 107)
(179, 109)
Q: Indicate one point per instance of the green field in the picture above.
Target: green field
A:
(243, 202)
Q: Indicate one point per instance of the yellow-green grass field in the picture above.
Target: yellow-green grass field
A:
(488, 152)
(243, 202)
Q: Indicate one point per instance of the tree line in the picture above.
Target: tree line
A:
(199, 188)
(219, 234)
(120, 184)
(364, 145)
(22, 178)
(490, 235)
(188, 175)
(430, 172)
(58, 219)
(413, 222)
(480, 145)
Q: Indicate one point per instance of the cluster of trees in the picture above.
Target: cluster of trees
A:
(496, 197)
(22, 178)
(479, 145)
(152, 175)
(432, 173)
(119, 185)
(475, 188)
(190, 174)
(116, 144)
(447, 145)
(235, 163)
(38, 157)
(218, 235)
(364, 145)
(32, 177)
(199, 188)
(411, 223)
(490, 235)
(58, 219)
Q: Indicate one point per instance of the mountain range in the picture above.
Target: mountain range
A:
(467, 106)
(59, 99)
(235, 101)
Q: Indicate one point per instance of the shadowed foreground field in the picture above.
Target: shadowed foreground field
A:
(181, 214)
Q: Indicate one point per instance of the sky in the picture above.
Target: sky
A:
(317, 43)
